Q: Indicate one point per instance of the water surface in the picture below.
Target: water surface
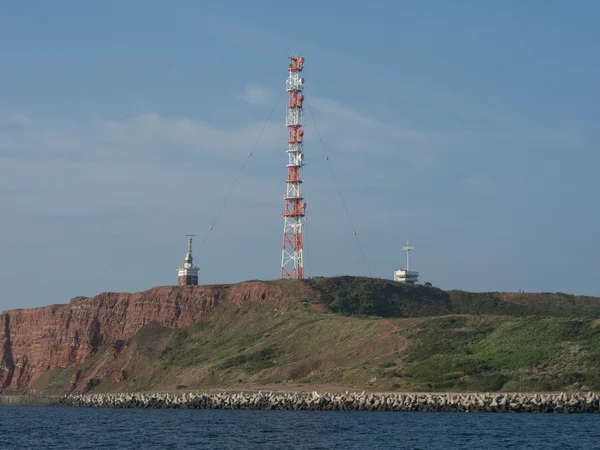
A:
(83, 428)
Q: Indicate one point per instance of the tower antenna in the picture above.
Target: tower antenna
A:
(408, 249)
(406, 275)
(292, 264)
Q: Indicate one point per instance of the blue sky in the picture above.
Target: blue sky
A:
(468, 127)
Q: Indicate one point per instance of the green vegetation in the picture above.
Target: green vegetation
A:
(484, 303)
(376, 297)
(491, 353)
(358, 333)
(385, 298)
(544, 304)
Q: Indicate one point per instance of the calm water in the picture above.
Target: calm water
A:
(44, 427)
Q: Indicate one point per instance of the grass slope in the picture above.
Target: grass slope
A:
(360, 333)
(386, 298)
(543, 304)
(252, 345)
(259, 345)
(503, 353)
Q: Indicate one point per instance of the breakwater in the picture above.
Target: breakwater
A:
(349, 401)
(27, 400)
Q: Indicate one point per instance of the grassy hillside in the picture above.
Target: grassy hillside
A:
(525, 304)
(377, 335)
(386, 298)
(502, 353)
(252, 345)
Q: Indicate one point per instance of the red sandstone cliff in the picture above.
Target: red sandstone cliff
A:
(34, 341)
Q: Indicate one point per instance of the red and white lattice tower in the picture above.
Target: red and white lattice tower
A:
(292, 265)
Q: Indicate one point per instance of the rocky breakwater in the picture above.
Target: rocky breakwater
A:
(34, 341)
(355, 401)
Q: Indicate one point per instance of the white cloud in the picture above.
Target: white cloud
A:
(348, 132)
(151, 136)
(147, 163)
(140, 136)
(70, 166)
(257, 95)
(152, 131)
(15, 119)
(339, 113)
(346, 129)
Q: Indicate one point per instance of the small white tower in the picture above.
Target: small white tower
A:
(187, 275)
(406, 275)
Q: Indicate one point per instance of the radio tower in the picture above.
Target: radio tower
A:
(292, 265)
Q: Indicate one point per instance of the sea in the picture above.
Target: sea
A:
(28, 427)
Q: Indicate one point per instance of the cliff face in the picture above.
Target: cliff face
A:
(34, 341)
(50, 349)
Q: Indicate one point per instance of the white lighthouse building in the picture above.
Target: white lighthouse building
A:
(187, 275)
(407, 275)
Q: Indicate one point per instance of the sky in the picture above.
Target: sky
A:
(469, 128)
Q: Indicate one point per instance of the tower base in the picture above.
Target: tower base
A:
(187, 280)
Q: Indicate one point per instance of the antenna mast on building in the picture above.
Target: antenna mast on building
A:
(408, 249)
(292, 264)
(407, 275)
